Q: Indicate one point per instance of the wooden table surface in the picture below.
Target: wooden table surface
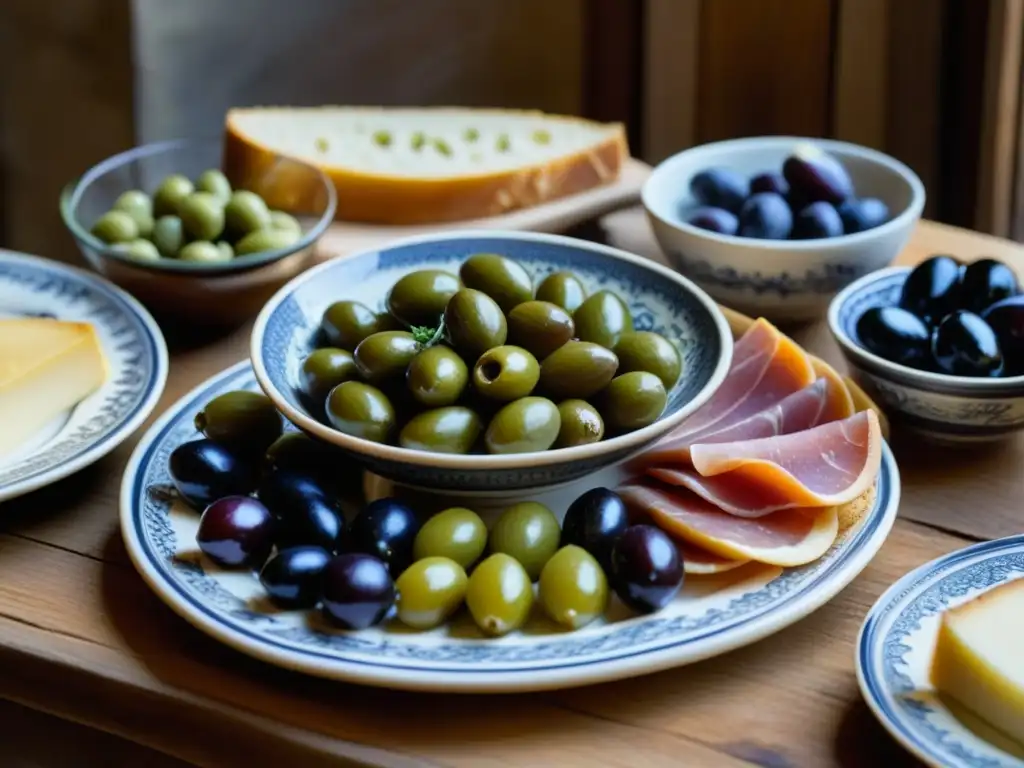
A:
(81, 637)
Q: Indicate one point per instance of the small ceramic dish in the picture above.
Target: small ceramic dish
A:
(783, 280)
(942, 407)
(659, 299)
(198, 294)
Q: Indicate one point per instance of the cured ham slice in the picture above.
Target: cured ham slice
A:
(786, 538)
(825, 466)
(840, 405)
(700, 562)
(861, 402)
(736, 495)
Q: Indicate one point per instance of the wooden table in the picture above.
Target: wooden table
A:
(81, 636)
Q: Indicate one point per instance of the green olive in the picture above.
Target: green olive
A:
(168, 235)
(202, 215)
(578, 369)
(436, 376)
(474, 322)
(506, 373)
(226, 251)
(385, 355)
(282, 220)
(265, 240)
(457, 533)
(202, 252)
(529, 532)
(170, 193)
(245, 212)
(248, 419)
(429, 591)
(299, 451)
(633, 400)
(499, 595)
(499, 277)
(581, 424)
(454, 429)
(563, 289)
(524, 425)
(325, 369)
(346, 323)
(116, 227)
(602, 319)
(215, 183)
(647, 351)
(573, 589)
(139, 206)
(138, 250)
(540, 327)
(419, 298)
(360, 410)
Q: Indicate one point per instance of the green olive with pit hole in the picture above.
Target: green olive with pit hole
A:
(602, 319)
(457, 533)
(360, 410)
(523, 426)
(385, 355)
(474, 323)
(246, 419)
(168, 236)
(115, 227)
(563, 289)
(202, 215)
(429, 591)
(632, 400)
(419, 298)
(499, 277)
(454, 429)
(346, 323)
(652, 352)
(245, 212)
(581, 424)
(170, 193)
(540, 327)
(323, 370)
(506, 373)
(437, 376)
(529, 532)
(578, 370)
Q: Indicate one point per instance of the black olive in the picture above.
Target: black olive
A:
(1007, 320)
(964, 345)
(896, 335)
(932, 289)
(985, 282)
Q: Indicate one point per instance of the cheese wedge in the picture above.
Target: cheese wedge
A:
(46, 367)
(979, 659)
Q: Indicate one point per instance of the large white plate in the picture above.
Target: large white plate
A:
(134, 348)
(712, 614)
(894, 654)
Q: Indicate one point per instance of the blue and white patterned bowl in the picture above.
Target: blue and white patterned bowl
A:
(942, 407)
(782, 280)
(659, 299)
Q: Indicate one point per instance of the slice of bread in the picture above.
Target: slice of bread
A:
(419, 166)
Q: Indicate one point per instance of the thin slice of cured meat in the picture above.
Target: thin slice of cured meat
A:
(862, 402)
(786, 538)
(738, 496)
(840, 404)
(821, 467)
(697, 561)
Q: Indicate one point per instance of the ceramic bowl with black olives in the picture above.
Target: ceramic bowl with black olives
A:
(490, 362)
(776, 226)
(939, 345)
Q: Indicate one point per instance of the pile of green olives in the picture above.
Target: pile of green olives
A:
(487, 362)
(203, 221)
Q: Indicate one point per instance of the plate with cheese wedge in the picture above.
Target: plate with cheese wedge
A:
(940, 659)
(82, 365)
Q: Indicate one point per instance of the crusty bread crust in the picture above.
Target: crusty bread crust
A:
(383, 199)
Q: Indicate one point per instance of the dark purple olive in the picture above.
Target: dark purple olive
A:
(236, 531)
(769, 182)
(1006, 319)
(314, 521)
(329, 467)
(816, 175)
(766, 215)
(285, 490)
(594, 521)
(293, 578)
(964, 345)
(358, 591)
(863, 214)
(985, 282)
(386, 528)
(647, 570)
(719, 188)
(816, 221)
(714, 220)
(932, 289)
(204, 471)
(896, 335)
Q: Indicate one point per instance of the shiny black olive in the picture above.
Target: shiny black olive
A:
(932, 289)
(863, 214)
(204, 471)
(985, 282)
(1006, 319)
(386, 528)
(594, 521)
(769, 182)
(816, 221)
(719, 188)
(964, 345)
(312, 521)
(896, 335)
(236, 531)
(713, 220)
(358, 592)
(766, 215)
(293, 577)
(286, 490)
(646, 569)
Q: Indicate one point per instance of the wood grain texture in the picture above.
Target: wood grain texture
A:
(671, 62)
(861, 76)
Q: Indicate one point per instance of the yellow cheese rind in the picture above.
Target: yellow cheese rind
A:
(979, 657)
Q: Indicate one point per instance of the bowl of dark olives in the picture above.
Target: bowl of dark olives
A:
(165, 222)
(489, 362)
(940, 346)
(776, 226)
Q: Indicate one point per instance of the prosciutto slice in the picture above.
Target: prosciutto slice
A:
(736, 495)
(785, 538)
(699, 562)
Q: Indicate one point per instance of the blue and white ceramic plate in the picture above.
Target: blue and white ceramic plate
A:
(895, 650)
(712, 615)
(135, 352)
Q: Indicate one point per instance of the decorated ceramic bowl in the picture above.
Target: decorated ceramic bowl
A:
(943, 407)
(779, 279)
(660, 300)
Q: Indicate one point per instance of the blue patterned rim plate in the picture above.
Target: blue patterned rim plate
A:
(711, 616)
(135, 351)
(895, 650)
